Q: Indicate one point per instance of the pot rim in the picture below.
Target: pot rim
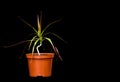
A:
(42, 55)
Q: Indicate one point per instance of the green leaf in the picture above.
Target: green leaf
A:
(32, 41)
(39, 24)
(50, 25)
(55, 35)
(34, 45)
(28, 24)
(21, 42)
(54, 48)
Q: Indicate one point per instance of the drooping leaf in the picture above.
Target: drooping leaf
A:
(57, 52)
(33, 39)
(54, 48)
(55, 35)
(33, 48)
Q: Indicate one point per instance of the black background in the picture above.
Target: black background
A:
(82, 26)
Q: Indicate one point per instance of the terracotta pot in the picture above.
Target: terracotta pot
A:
(40, 65)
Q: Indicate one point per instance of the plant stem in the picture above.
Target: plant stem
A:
(38, 49)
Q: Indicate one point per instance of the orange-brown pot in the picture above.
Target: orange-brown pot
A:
(40, 65)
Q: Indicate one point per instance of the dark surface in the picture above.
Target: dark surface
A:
(82, 27)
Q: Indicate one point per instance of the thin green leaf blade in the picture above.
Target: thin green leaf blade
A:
(50, 25)
(31, 42)
(28, 24)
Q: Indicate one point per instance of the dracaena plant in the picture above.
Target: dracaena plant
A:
(40, 35)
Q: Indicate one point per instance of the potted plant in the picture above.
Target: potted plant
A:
(40, 63)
